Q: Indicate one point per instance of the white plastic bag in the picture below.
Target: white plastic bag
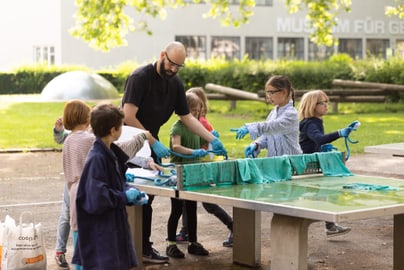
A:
(23, 246)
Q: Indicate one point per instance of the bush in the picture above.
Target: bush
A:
(245, 74)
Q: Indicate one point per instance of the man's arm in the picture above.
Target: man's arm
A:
(130, 119)
(196, 127)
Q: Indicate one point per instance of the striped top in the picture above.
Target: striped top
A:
(279, 133)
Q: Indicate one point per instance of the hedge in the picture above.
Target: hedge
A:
(249, 75)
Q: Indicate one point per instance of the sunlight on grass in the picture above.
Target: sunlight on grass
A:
(29, 124)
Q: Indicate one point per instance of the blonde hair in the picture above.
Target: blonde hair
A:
(75, 113)
(308, 103)
(193, 101)
(202, 95)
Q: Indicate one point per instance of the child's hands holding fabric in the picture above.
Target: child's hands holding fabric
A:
(136, 197)
(250, 150)
(345, 132)
(199, 153)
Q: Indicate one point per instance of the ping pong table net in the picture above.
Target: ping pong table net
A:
(260, 170)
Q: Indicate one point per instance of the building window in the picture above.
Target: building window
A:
(291, 48)
(319, 52)
(44, 55)
(353, 47)
(400, 47)
(226, 47)
(377, 47)
(195, 46)
(259, 48)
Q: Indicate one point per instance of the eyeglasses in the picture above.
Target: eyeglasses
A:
(173, 64)
(322, 103)
(272, 92)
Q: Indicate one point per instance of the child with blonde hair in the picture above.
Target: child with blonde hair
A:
(313, 106)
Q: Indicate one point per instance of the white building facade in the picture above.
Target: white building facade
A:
(38, 32)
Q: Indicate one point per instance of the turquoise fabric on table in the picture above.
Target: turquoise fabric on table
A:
(299, 162)
(249, 171)
(274, 169)
(209, 173)
(331, 164)
(361, 186)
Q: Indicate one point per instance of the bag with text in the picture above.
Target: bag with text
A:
(23, 246)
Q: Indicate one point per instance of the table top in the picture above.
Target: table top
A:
(312, 196)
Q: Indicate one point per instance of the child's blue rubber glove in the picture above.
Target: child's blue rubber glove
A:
(142, 199)
(215, 133)
(354, 125)
(250, 150)
(328, 147)
(199, 153)
(218, 147)
(160, 150)
(240, 132)
(131, 194)
(344, 132)
(136, 197)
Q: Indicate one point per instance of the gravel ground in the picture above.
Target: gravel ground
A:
(32, 182)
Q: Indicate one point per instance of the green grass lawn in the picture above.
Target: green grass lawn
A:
(28, 123)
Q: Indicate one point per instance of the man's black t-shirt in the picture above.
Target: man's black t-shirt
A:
(156, 97)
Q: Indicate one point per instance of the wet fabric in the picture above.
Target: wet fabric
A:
(361, 186)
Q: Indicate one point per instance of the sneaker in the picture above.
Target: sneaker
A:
(154, 257)
(181, 237)
(229, 241)
(197, 249)
(174, 252)
(61, 261)
(336, 230)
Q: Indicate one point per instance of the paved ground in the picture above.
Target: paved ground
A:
(31, 181)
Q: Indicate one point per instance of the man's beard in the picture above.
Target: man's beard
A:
(167, 74)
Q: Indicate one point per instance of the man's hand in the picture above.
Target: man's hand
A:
(218, 147)
(160, 150)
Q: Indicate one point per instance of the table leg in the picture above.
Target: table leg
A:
(289, 242)
(398, 242)
(135, 217)
(246, 237)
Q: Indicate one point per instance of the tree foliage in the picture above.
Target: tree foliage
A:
(321, 17)
(397, 10)
(104, 24)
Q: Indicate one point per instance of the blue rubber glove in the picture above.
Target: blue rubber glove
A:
(215, 133)
(240, 132)
(131, 194)
(199, 153)
(328, 147)
(354, 125)
(344, 132)
(160, 150)
(250, 150)
(136, 197)
(142, 199)
(218, 147)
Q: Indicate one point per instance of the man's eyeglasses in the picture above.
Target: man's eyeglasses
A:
(173, 64)
(322, 103)
(272, 92)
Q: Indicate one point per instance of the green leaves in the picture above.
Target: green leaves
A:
(321, 16)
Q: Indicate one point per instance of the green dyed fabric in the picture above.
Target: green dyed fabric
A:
(361, 186)
(299, 162)
(331, 164)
